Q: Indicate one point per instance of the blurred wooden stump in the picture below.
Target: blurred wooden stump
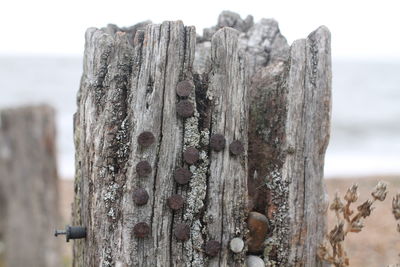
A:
(28, 186)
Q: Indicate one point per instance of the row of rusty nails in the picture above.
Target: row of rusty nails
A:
(182, 176)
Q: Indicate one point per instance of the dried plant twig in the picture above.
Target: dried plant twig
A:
(349, 221)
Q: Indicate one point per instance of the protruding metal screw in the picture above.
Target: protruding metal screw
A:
(140, 196)
(217, 142)
(141, 230)
(182, 176)
(143, 168)
(191, 155)
(236, 148)
(185, 109)
(175, 202)
(184, 88)
(72, 232)
(212, 248)
(182, 231)
(146, 139)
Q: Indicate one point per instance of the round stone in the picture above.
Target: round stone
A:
(258, 230)
(146, 139)
(236, 245)
(175, 202)
(185, 108)
(140, 196)
(212, 248)
(143, 168)
(191, 155)
(254, 261)
(141, 230)
(182, 176)
(236, 148)
(182, 231)
(184, 88)
(217, 142)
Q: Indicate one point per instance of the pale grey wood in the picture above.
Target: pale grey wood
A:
(28, 186)
(129, 87)
(226, 210)
(289, 133)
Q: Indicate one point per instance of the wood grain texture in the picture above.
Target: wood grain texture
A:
(28, 186)
(248, 86)
(289, 133)
(128, 86)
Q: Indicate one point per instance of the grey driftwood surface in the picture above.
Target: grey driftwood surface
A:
(29, 186)
(250, 85)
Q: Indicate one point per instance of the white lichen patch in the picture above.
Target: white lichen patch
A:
(109, 197)
(196, 245)
(191, 134)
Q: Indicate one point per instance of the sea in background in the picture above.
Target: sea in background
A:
(365, 137)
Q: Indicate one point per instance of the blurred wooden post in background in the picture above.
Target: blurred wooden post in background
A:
(28, 186)
(245, 84)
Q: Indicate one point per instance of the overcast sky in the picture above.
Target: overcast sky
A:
(360, 29)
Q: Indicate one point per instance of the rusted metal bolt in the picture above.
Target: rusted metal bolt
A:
(143, 168)
(146, 139)
(141, 230)
(217, 142)
(184, 88)
(236, 148)
(140, 196)
(185, 109)
(191, 155)
(212, 248)
(72, 232)
(182, 231)
(258, 230)
(182, 176)
(175, 202)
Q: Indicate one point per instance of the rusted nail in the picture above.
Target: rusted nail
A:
(191, 155)
(140, 196)
(236, 148)
(72, 232)
(212, 248)
(182, 176)
(217, 142)
(184, 88)
(141, 230)
(146, 139)
(182, 231)
(175, 202)
(143, 168)
(185, 109)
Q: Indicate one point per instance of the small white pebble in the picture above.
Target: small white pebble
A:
(254, 261)
(236, 245)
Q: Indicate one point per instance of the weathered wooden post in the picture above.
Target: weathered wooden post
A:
(28, 186)
(178, 139)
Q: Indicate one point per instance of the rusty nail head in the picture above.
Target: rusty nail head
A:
(182, 176)
(236, 147)
(143, 168)
(175, 202)
(212, 248)
(191, 155)
(141, 230)
(217, 142)
(146, 139)
(185, 109)
(184, 88)
(140, 196)
(182, 231)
